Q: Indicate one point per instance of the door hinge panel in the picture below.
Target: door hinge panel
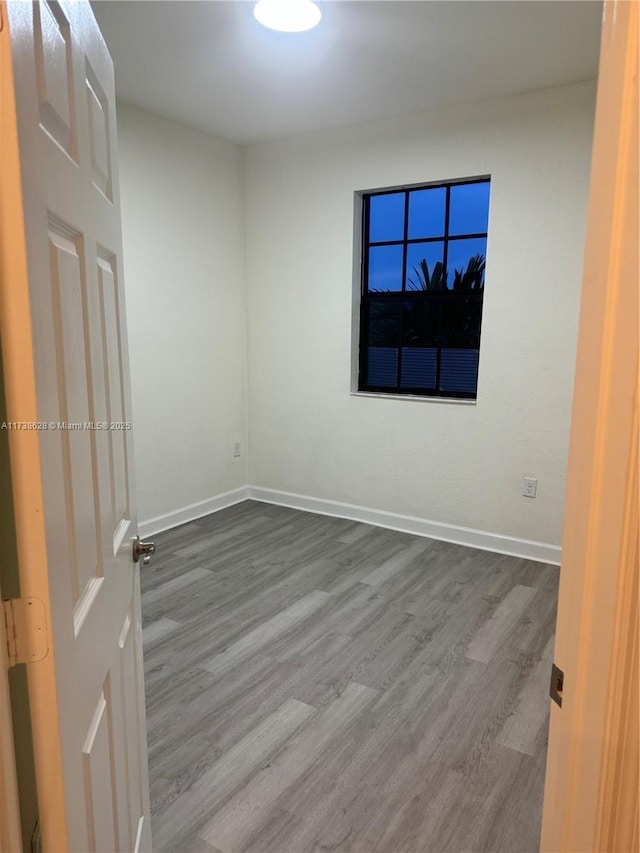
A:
(25, 630)
(557, 684)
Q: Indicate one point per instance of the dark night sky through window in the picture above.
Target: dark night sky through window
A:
(469, 213)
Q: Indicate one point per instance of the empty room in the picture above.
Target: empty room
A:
(297, 516)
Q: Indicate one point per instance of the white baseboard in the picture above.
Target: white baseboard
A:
(530, 550)
(191, 512)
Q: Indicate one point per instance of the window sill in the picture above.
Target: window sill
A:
(456, 401)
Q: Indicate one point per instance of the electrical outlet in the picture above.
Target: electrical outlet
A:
(237, 449)
(530, 487)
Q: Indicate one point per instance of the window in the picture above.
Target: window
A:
(423, 272)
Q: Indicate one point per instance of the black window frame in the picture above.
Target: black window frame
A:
(405, 296)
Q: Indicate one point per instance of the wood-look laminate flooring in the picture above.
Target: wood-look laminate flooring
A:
(314, 684)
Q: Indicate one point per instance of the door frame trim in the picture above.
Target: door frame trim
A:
(16, 337)
(591, 796)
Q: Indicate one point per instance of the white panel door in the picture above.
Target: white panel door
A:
(66, 134)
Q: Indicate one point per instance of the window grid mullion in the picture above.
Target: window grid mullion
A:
(476, 235)
(445, 262)
(404, 289)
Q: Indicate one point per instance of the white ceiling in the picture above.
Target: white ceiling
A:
(210, 64)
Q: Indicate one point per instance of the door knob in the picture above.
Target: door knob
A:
(144, 550)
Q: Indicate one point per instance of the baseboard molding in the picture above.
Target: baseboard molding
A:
(191, 512)
(530, 550)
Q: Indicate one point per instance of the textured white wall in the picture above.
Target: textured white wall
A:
(184, 279)
(461, 464)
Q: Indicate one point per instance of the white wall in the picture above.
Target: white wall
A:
(184, 279)
(460, 464)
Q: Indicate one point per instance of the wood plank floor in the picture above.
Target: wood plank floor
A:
(315, 684)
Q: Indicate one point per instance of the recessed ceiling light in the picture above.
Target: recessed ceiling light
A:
(288, 16)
